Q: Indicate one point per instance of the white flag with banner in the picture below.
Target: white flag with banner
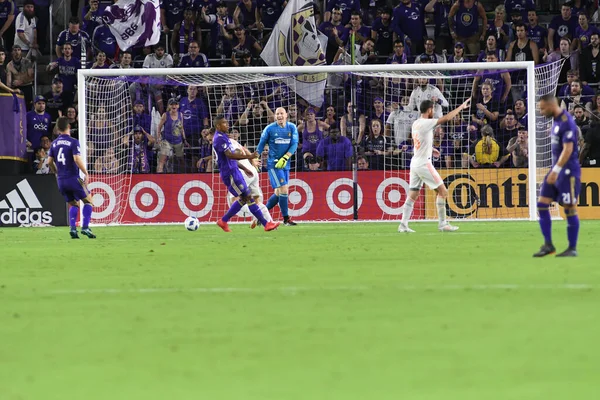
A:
(296, 41)
(134, 22)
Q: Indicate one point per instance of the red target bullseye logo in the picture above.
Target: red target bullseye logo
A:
(339, 197)
(391, 194)
(195, 199)
(300, 197)
(146, 199)
(104, 199)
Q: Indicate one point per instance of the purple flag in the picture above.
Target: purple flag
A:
(13, 123)
(134, 22)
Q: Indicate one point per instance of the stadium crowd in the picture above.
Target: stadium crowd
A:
(376, 129)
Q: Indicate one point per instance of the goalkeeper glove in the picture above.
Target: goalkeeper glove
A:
(282, 161)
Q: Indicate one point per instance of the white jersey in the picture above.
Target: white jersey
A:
(419, 95)
(401, 122)
(152, 62)
(245, 163)
(422, 134)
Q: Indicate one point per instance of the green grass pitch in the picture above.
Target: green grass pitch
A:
(317, 311)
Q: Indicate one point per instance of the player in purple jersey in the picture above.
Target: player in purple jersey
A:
(562, 184)
(65, 150)
(229, 169)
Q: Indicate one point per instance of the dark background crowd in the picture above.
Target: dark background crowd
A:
(43, 67)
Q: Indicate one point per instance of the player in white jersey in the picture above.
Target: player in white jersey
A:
(249, 168)
(421, 168)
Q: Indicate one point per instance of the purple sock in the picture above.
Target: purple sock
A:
(255, 210)
(545, 221)
(572, 229)
(73, 212)
(87, 215)
(234, 209)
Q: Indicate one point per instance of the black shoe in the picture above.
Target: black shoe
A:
(87, 232)
(545, 250)
(74, 234)
(288, 222)
(568, 253)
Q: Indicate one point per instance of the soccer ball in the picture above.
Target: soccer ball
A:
(192, 223)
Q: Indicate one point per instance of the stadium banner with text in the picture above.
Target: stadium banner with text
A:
(32, 200)
(312, 196)
(134, 22)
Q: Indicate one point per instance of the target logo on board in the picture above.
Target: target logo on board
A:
(146, 199)
(104, 199)
(339, 197)
(300, 197)
(391, 194)
(195, 199)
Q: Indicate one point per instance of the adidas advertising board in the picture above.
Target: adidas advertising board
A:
(31, 201)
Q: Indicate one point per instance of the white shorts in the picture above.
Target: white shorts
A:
(424, 174)
(253, 184)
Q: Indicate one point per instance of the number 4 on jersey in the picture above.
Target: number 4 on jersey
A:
(61, 157)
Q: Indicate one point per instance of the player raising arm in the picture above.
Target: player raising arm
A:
(231, 176)
(282, 138)
(562, 184)
(65, 150)
(421, 168)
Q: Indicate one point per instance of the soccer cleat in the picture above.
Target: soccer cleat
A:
(447, 228)
(255, 223)
(568, 253)
(88, 232)
(223, 225)
(545, 250)
(271, 226)
(404, 229)
(288, 222)
(74, 234)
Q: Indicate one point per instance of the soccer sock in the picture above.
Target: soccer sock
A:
(572, 227)
(255, 210)
(545, 221)
(440, 202)
(73, 212)
(283, 204)
(87, 215)
(236, 206)
(265, 212)
(274, 199)
(408, 209)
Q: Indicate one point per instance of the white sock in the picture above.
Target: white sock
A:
(265, 212)
(441, 207)
(408, 209)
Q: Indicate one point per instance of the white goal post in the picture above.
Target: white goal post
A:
(93, 92)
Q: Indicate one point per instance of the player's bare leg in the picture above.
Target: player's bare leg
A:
(543, 206)
(572, 231)
(440, 202)
(407, 210)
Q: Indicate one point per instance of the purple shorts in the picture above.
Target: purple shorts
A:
(72, 189)
(565, 190)
(236, 184)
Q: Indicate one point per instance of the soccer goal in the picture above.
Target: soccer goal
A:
(354, 125)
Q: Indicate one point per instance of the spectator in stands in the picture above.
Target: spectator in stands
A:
(242, 59)
(399, 55)
(125, 61)
(362, 163)
(382, 33)
(104, 40)
(581, 119)
(491, 46)
(67, 67)
(219, 24)
(25, 26)
(107, 163)
(487, 150)
(242, 41)
(171, 13)
(141, 118)
(19, 74)
(195, 114)
(73, 122)
(378, 111)
(330, 119)
(205, 161)
(139, 143)
(500, 82)
(194, 58)
(231, 105)
(408, 20)
(440, 10)
(336, 151)
(172, 139)
(312, 132)
(583, 33)
(3, 87)
(8, 12)
(518, 148)
(336, 32)
(460, 140)
(499, 28)
(256, 117)
(444, 147)
(72, 35)
(509, 130)
(561, 27)
(92, 17)
(57, 100)
(458, 56)
(399, 123)
(426, 91)
(576, 97)
(100, 62)
(581, 7)
(590, 61)
(348, 126)
(158, 59)
(184, 33)
(40, 164)
(247, 14)
(430, 55)
(346, 6)
(485, 111)
(522, 49)
(535, 32)
(39, 122)
(520, 6)
(464, 25)
(590, 153)
(520, 114)
(361, 32)
(376, 146)
(269, 11)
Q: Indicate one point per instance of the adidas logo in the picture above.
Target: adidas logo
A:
(20, 206)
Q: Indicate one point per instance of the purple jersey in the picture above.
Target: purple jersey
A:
(105, 41)
(200, 61)
(584, 34)
(440, 18)
(521, 6)
(538, 34)
(74, 39)
(194, 113)
(7, 8)
(248, 15)
(335, 152)
(410, 20)
(467, 20)
(562, 29)
(173, 10)
(310, 140)
(94, 21)
(270, 11)
(138, 156)
(228, 168)
(67, 70)
(385, 37)
(63, 150)
(173, 131)
(38, 125)
(144, 120)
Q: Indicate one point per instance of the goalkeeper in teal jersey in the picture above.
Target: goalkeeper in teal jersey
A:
(282, 138)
